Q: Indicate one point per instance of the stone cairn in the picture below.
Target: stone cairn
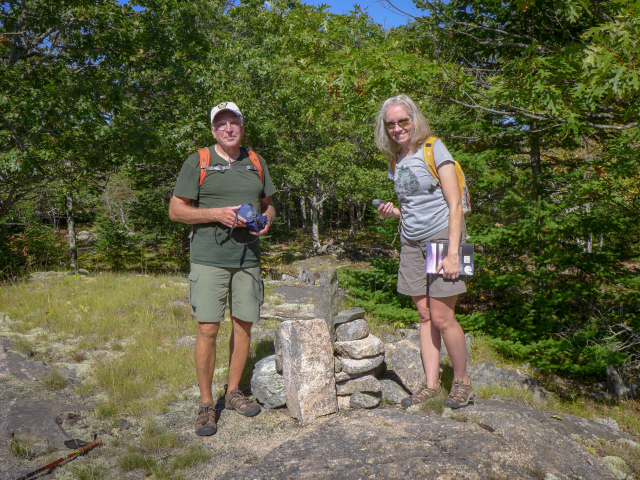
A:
(359, 359)
(333, 362)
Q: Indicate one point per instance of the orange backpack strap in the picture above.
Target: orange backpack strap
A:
(205, 160)
(253, 156)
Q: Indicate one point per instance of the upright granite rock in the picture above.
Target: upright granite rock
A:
(326, 306)
(404, 359)
(307, 366)
(267, 384)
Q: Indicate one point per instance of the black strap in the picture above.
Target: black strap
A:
(229, 232)
(222, 168)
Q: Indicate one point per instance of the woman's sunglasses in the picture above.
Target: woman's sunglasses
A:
(402, 123)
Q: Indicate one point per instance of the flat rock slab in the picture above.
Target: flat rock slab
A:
(298, 293)
(392, 443)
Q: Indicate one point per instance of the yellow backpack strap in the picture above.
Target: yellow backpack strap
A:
(429, 160)
(394, 160)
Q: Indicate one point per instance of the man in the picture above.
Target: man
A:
(225, 256)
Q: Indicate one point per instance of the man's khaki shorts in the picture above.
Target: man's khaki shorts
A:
(209, 288)
(412, 277)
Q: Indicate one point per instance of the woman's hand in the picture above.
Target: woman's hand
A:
(450, 267)
(387, 210)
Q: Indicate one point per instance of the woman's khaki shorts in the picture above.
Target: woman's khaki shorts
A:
(412, 277)
(209, 288)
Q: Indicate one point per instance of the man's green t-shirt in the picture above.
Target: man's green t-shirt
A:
(223, 189)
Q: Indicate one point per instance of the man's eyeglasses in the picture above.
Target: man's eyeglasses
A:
(402, 123)
(222, 125)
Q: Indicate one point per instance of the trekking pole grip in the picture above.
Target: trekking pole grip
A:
(89, 446)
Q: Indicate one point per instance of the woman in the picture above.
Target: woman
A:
(427, 214)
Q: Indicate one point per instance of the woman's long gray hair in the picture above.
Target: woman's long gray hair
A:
(385, 143)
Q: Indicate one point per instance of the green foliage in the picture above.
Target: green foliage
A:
(375, 291)
(113, 242)
(37, 247)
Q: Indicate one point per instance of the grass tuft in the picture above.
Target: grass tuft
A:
(79, 356)
(156, 438)
(20, 446)
(133, 459)
(87, 471)
(54, 380)
(433, 404)
(190, 456)
(24, 346)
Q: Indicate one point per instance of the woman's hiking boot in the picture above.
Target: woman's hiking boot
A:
(460, 395)
(423, 393)
(235, 400)
(206, 422)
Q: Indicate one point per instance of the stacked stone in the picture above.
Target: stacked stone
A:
(359, 358)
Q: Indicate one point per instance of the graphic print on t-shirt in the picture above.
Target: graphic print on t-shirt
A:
(407, 183)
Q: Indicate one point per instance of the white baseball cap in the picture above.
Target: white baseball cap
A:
(223, 107)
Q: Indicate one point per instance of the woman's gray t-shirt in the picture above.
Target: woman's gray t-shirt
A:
(424, 208)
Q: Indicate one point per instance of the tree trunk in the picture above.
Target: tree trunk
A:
(71, 225)
(353, 225)
(289, 212)
(303, 212)
(316, 204)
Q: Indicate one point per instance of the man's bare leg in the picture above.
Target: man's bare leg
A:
(205, 358)
(239, 345)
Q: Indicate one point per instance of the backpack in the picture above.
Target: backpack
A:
(431, 165)
(205, 160)
(247, 209)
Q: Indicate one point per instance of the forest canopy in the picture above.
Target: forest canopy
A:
(100, 103)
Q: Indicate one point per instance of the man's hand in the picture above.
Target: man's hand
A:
(181, 210)
(266, 208)
(228, 215)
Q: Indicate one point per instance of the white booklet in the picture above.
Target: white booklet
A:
(436, 252)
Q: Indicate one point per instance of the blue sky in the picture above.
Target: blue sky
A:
(379, 10)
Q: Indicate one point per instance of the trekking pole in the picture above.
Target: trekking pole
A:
(80, 451)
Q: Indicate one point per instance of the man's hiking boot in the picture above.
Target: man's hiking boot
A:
(206, 421)
(243, 405)
(421, 395)
(460, 395)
